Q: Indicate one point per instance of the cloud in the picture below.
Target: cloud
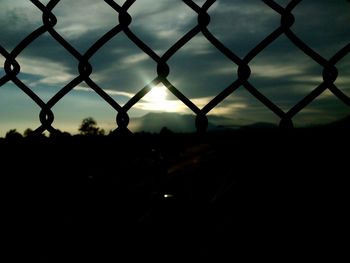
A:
(49, 72)
(228, 110)
(96, 16)
(17, 20)
(325, 34)
(278, 70)
(242, 25)
(134, 59)
(198, 46)
(110, 92)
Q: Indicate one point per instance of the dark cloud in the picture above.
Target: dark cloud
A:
(16, 24)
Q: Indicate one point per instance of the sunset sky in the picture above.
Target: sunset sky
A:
(281, 72)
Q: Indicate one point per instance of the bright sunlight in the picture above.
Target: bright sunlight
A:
(157, 94)
(157, 100)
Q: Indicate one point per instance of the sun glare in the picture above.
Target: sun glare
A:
(157, 94)
(157, 100)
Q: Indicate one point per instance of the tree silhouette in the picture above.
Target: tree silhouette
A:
(28, 132)
(89, 127)
(13, 135)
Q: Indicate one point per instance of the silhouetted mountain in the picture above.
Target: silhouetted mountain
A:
(340, 124)
(185, 123)
(154, 122)
(260, 125)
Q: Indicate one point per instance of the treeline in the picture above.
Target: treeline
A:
(88, 127)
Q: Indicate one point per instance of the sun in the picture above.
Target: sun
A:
(157, 100)
(157, 94)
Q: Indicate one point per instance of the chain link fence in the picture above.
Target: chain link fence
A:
(234, 191)
(330, 73)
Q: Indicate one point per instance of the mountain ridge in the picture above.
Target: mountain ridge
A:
(154, 122)
(185, 123)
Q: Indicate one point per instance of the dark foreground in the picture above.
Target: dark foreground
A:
(251, 195)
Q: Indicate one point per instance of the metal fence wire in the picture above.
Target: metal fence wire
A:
(330, 73)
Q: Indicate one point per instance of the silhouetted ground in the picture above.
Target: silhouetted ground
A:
(254, 194)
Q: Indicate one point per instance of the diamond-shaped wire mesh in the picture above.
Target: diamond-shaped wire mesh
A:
(282, 196)
(330, 72)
